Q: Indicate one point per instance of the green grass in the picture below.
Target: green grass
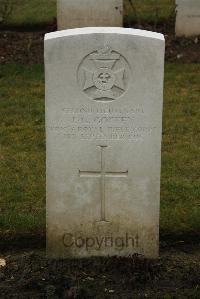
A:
(22, 154)
(32, 13)
(22, 148)
(148, 11)
(180, 188)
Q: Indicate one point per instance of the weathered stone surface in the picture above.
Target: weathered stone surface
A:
(89, 13)
(104, 96)
(188, 17)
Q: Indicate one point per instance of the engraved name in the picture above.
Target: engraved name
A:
(103, 123)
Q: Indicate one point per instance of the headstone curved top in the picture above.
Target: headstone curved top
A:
(104, 96)
(79, 13)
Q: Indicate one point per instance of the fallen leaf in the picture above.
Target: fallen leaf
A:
(2, 263)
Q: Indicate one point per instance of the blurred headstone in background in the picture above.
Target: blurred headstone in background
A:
(188, 17)
(89, 13)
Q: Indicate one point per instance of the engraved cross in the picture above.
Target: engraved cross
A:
(103, 174)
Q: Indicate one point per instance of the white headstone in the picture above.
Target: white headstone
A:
(87, 13)
(104, 96)
(188, 17)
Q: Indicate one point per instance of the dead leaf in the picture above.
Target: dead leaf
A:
(2, 262)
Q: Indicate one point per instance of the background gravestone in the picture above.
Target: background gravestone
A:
(104, 95)
(188, 17)
(89, 13)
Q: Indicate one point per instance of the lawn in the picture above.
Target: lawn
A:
(155, 11)
(22, 168)
(31, 13)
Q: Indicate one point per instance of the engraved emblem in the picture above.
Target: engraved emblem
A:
(103, 75)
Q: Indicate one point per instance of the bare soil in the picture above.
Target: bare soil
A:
(27, 47)
(29, 274)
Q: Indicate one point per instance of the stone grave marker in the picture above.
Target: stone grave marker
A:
(87, 13)
(188, 17)
(104, 98)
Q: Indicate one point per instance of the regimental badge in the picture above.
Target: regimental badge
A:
(103, 75)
